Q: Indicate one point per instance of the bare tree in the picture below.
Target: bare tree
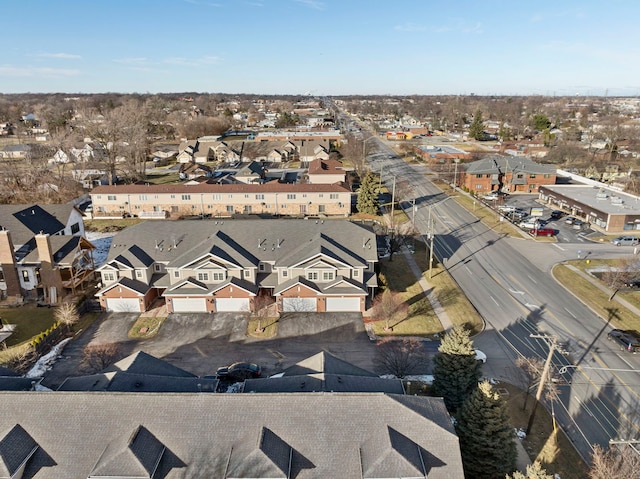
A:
(617, 274)
(618, 462)
(96, 357)
(67, 314)
(20, 358)
(400, 357)
(262, 311)
(390, 307)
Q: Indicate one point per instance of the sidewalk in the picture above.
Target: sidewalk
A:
(428, 290)
(604, 289)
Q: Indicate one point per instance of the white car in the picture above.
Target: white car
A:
(529, 224)
(491, 196)
(480, 356)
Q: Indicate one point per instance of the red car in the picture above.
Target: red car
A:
(543, 232)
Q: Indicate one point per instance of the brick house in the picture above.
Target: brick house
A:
(504, 173)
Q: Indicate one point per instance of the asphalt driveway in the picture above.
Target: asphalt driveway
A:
(200, 343)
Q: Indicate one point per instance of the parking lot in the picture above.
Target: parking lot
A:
(565, 233)
(200, 343)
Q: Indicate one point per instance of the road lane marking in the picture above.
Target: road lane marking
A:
(559, 247)
(574, 316)
(515, 292)
(532, 280)
(532, 306)
(494, 300)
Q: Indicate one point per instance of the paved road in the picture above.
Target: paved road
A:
(509, 283)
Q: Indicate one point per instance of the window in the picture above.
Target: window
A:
(327, 276)
(75, 227)
(478, 187)
(186, 197)
(547, 175)
(203, 276)
(261, 267)
(321, 209)
(107, 277)
(478, 176)
(320, 195)
(1, 275)
(138, 273)
(333, 196)
(157, 267)
(260, 197)
(143, 198)
(220, 276)
(247, 273)
(217, 197)
(229, 208)
(356, 273)
(532, 175)
(174, 209)
(173, 197)
(246, 196)
(291, 196)
(111, 197)
(285, 273)
(312, 275)
(176, 274)
(247, 209)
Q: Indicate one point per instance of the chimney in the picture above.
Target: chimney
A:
(49, 274)
(8, 264)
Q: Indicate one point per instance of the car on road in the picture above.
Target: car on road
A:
(239, 371)
(542, 232)
(625, 241)
(556, 214)
(627, 340)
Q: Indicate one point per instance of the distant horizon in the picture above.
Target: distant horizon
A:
(323, 47)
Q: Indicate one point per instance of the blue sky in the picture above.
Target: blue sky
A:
(322, 47)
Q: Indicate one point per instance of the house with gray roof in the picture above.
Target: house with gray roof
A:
(323, 372)
(188, 435)
(43, 252)
(141, 372)
(506, 174)
(223, 265)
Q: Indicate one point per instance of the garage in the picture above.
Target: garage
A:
(189, 305)
(343, 304)
(299, 304)
(232, 304)
(123, 305)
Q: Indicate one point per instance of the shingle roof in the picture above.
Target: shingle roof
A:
(25, 221)
(506, 164)
(269, 187)
(202, 434)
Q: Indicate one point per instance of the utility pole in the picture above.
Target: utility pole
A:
(413, 213)
(553, 343)
(393, 200)
(431, 236)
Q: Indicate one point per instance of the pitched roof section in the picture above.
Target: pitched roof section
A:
(271, 459)
(247, 242)
(25, 221)
(507, 164)
(143, 363)
(213, 188)
(325, 362)
(16, 447)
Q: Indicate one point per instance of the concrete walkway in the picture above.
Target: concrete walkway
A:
(428, 290)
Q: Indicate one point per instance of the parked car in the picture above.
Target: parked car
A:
(578, 224)
(634, 283)
(556, 214)
(627, 340)
(529, 223)
(625, 241)
(570, 220)
(542, 232)
(491, 196)
(239, 371)
(480, 356)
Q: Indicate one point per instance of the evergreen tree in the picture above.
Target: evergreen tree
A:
(534, 471)
(455, 368)
(487, 442)
(476, 130)
(368, 196)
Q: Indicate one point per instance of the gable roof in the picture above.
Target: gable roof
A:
(184, 433)
(25, 221)
(16, 447)
(506, 164)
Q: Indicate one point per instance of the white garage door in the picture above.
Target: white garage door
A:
(299, 304)
(343, 304)
(232, 304)
(123, 305)
(189, 305)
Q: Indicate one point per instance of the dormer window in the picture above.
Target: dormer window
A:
(203, 277)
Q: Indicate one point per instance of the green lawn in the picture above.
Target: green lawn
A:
(29, 320)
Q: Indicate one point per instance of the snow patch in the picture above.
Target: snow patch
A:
(45, 362)
(102, 242)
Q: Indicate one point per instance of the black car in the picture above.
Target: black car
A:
(627, 340)
(634, 283)
(239, 371)
(556, 214)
